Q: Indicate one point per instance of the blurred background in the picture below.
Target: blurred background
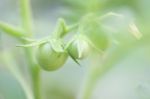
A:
(129, 79)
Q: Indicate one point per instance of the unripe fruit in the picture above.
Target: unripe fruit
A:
(79, 47)
(98, 37)
(49, 59)
(93, 29)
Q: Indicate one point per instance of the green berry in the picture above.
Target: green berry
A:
(49, 59)
(79, 47)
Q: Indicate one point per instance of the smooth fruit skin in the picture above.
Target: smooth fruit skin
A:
(79, 48)
(49, 59)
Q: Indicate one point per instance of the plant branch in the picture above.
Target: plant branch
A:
(11, 30)
(62, 29)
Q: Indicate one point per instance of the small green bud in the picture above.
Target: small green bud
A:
(49, 58)
(79, 47)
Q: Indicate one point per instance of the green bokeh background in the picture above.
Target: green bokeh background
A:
(129, 79)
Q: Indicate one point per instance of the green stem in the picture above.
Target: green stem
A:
(11, 30)
(26, 16)
(36, 81)
(27, 25)
(62, 29)
(35, 73)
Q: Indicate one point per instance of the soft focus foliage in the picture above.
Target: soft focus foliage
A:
(127, 79)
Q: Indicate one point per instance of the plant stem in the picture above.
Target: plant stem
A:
(36, 82)
(11, 30)
(62, 29)
(35, 73)
(34, 68)
(26, 16)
